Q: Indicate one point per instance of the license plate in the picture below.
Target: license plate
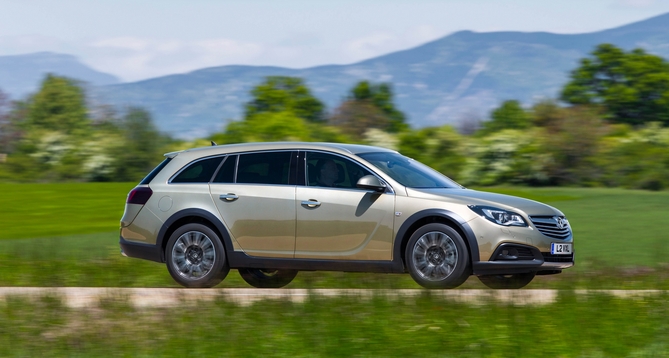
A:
(561, 249)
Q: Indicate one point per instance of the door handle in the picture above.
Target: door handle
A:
(311, 203)
(228, 197)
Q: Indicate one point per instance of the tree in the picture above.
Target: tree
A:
(510, 115)
(442, 148)
(60, 106)
(5, 131)
(355, 118)
(280, 93)
(142, 144)
(631, 87)
(381, 97)
(572, 143)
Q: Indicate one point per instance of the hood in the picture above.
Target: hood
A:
(474, 197)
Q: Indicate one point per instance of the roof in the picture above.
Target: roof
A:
(243, 147)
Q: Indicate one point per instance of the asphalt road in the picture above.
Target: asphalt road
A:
(84, 297)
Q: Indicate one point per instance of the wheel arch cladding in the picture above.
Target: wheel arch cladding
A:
(429, 216)
(189, 216)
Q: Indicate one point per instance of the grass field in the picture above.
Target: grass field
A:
(51, 210)
(66, 235)
(575, 326)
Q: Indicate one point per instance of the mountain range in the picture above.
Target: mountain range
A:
(465, 74)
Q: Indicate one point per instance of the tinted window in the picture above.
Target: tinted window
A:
(227, 172)
(155, 171)
(409, 172)
(264, 168)
(198, 172)
(329, 170)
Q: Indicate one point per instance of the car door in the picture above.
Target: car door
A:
(335, 219)
(255, 195)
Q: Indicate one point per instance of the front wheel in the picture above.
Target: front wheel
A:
(262, 278)
(507, 281)
(437, 257)
(196, 257)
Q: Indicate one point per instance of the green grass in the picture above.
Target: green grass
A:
(50, 210)
(65, 235)
(575, 326)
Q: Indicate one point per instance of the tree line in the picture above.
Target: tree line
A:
(607, 128)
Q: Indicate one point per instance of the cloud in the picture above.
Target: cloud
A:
(122, 43)
(135, 58)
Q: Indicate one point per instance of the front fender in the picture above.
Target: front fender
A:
(436, 215)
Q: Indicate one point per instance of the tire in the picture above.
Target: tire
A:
(263, 278)
(507, 281)
(437, 257)
(196, 257)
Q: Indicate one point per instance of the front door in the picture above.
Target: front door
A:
(335, 219)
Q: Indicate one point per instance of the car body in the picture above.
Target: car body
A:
(273, 209)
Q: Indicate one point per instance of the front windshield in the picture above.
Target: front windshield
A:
(408, 172)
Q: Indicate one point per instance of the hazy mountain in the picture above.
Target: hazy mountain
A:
(21, 74)
(441, 82)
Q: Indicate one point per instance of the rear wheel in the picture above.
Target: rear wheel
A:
(196, 257)
(267, 278)
(437, 257)
(514, 281)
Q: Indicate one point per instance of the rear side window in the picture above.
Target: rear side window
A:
(155, 172)
(264, 168)
(198, 172)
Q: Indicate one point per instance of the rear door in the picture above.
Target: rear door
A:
(255, 195)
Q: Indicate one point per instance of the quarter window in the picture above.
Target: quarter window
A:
(198, 172)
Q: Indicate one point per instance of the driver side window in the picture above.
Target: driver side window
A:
(327, 170)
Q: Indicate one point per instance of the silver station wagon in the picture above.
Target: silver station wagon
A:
(270, 210)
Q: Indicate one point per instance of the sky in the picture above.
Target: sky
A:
(140, 39)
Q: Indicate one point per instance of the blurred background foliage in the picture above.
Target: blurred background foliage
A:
(607, 129)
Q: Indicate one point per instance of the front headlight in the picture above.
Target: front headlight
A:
(499, 216)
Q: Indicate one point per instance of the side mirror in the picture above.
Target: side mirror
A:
(371, 182)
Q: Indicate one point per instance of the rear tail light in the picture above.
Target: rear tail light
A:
(139, 195)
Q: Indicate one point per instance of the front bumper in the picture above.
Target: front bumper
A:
(511, 259)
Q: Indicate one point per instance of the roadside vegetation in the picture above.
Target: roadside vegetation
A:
(608, 128)
(594, 325)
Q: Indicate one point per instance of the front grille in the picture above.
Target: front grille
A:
(557, 258)
(556, 227)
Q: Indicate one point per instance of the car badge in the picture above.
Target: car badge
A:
(561, 222)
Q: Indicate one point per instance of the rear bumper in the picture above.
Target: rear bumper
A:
(140, 251)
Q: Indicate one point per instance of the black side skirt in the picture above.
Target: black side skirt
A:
(240, 259)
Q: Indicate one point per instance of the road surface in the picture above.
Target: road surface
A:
(83, 297)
